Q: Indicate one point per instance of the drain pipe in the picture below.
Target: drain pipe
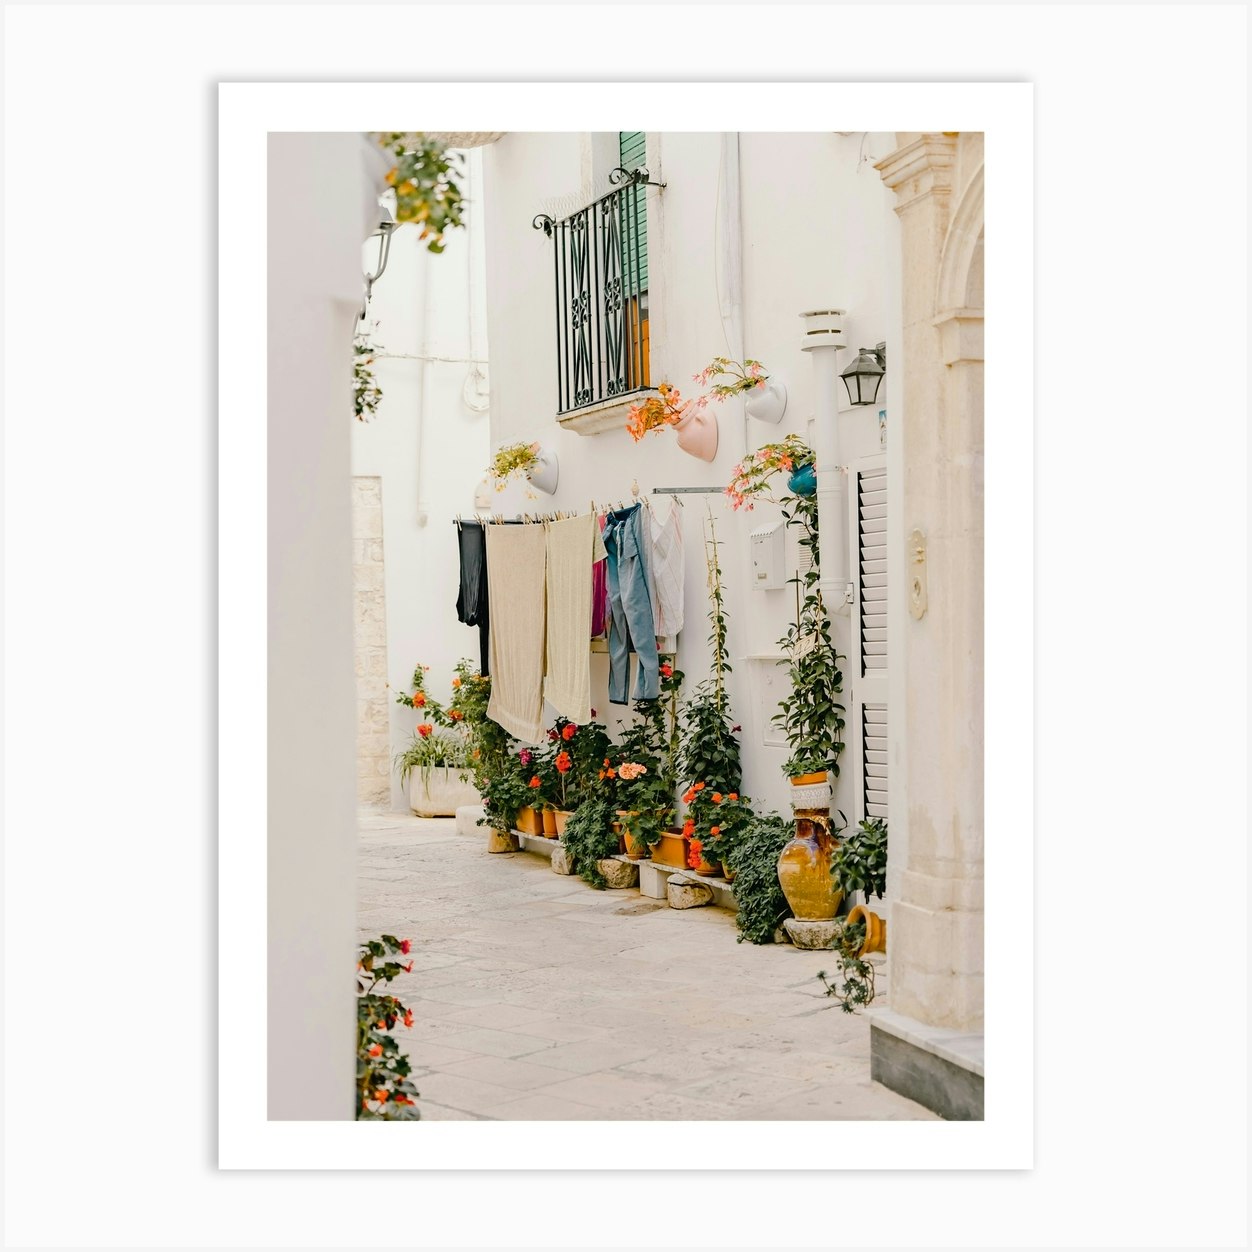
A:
(823, 337)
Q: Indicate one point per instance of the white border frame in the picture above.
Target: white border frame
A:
(1004, 112)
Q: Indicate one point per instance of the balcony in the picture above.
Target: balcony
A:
(600, 290)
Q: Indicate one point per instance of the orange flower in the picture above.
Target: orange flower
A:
(535, 782)
(380, 1095)
(419, 700)
(376, 1049)
(456, 682)
(734, 795)
(610, 773)
(715, 831)
(697, 786)
(455, 714)
(689, 828)
(408, 1017)
(564, 762)
(424, 729)
(569, 732)
(717, 797)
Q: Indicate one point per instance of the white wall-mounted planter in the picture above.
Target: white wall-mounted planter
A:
(439, 792)
(768, 403)
(697, 433)
(543, 474)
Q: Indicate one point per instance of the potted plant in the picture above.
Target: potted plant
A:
(860, 864)
(709, 753)
(694, 428)
(436, 765)
(422, 178)
(761, 907)
(766, 397)
(578, 751)
(525, 460)
(529, 819)
(590, 841)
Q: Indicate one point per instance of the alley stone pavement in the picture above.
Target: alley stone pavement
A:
(536, 997)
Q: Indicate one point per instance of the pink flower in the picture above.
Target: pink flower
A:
(525, 756)
(629, 770)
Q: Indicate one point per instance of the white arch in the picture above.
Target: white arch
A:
(961, 247)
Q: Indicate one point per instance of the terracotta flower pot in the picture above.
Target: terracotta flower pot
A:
(529, 821)
(637, 849)
(672, 850)
(727, 872)
(561, 816)
(709, 869)
(696, 433)
(804, 871)
(875, 929)
(548, 817)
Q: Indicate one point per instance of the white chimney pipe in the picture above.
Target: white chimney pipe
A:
(823, 337)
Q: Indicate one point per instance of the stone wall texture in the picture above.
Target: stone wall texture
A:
(369, 619)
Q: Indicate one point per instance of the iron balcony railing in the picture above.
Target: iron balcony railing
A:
(600, 283)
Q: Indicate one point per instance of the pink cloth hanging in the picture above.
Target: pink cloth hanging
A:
(599, 595)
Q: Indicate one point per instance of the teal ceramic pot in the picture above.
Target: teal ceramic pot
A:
(803, 482)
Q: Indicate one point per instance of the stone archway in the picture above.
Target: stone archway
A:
(928, 1043)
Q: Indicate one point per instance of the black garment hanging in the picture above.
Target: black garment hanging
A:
(471, 601)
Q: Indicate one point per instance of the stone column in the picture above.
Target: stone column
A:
(935, 947)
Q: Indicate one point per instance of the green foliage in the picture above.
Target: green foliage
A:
(855, 987)
(754, 858)
(860, 859)
(589, 837)
(723, 827)
(384, 1091)
(513, 460)
(709, 751)
(811, 718)
(366, 393)
(423, 180)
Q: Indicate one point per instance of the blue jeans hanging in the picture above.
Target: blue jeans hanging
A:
(631, 628)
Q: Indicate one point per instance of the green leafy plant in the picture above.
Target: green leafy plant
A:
(855, 987)
(589, 837)
(740, 377)
(443, 738)
(812, 716)
(709, 750)
(859, 862)
(384, 1091)
(513, 460)
(721, 824)
(423, 181)
(762, 907)
(366, 393)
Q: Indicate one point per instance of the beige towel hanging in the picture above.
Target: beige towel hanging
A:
(574, 545)
(516, 557)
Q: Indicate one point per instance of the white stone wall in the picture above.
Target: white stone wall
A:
(369, 620)
(817, 231)
(427, 450)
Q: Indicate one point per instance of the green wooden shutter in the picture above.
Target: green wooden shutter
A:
(632, 148)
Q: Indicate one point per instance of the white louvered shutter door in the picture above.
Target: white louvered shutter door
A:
(867, 530)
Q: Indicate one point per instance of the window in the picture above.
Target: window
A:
(867, 485)
(600, 279)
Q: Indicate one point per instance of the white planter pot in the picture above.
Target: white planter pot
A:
(543, 474)
(439, 792)
(768, 403)
(812, 795)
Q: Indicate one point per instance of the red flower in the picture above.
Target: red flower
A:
(569, 732)
(376, 1049)
(693, 855)
(424, 729)
(408, 969)
(553, 736)
(563, 762)
(689, 828)
(408, 1017)
(406, 945)
(667, 670)
(535, 782)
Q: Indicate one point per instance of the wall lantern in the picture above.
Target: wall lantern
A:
(863, 377)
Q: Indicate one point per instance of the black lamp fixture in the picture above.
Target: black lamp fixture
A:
(864, 376)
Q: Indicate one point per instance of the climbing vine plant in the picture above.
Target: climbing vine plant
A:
(366, 393)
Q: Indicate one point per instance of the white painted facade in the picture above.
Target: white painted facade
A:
(733, 262)
(427, 443)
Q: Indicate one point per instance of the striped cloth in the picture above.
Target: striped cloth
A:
(666, 568)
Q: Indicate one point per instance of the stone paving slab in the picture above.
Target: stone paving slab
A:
(538, 998)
